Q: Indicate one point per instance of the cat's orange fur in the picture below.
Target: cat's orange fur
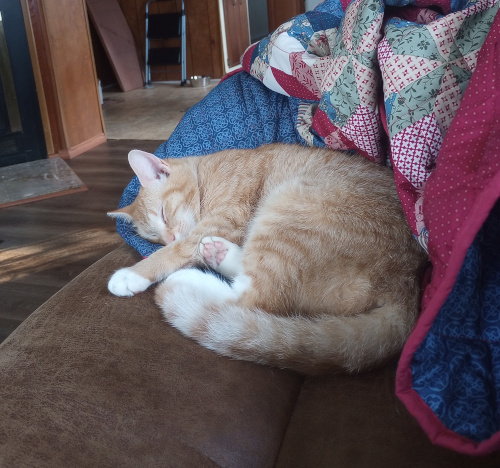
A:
(327, 276)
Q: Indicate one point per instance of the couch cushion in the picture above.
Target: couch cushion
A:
(90, 379)
(357, 421)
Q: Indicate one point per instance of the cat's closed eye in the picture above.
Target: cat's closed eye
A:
(152, 237)
(163, 216)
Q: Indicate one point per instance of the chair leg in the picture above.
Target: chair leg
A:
(147, 68)
(159, 57)
(183, 46)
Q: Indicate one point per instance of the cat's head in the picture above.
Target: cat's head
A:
(167, 206)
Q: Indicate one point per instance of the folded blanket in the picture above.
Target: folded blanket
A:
(449, 374)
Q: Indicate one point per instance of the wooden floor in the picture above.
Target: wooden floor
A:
(45, 244)
(148, 113)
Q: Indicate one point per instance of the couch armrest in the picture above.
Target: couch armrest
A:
(90, 379)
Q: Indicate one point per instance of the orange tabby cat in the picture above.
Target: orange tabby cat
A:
(324, 269)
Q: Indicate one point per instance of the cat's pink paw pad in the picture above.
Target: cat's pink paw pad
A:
(213, 250)
(221, 255)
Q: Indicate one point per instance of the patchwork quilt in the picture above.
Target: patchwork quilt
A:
(348, 56)
(413, 84)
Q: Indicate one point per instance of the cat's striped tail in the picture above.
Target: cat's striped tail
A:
(198, 306)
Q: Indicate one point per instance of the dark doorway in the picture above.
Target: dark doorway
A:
(21, 129)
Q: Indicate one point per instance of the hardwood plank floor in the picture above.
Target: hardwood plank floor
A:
(148, 113)
(45, 244)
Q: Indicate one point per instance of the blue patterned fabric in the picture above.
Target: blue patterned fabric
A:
(238, 113)
(459, 360)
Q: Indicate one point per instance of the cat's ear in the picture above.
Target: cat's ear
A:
(122, 213)
(147, 167)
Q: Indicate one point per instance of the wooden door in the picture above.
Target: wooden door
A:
(237, 30)
(280, 11)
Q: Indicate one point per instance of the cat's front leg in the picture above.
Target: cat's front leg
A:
(125, 283)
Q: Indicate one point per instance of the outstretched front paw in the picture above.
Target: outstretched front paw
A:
(125, 282)
(221, 255)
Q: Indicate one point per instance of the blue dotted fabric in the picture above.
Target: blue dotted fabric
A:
(456, 369)
(238, 113)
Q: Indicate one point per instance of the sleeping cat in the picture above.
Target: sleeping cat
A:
(324, 271)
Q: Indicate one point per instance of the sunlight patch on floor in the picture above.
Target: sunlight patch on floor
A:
(22, 261)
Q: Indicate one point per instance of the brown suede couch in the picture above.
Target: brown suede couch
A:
(93, 380)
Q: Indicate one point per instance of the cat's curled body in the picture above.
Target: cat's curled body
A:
(324, 268)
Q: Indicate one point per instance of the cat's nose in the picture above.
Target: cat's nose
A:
(168, 238)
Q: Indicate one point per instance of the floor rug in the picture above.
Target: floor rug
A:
(37, 180)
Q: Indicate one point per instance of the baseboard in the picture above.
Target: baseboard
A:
(76, 150)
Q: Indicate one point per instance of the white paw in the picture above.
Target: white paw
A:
(125, 282)
(221, 255)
